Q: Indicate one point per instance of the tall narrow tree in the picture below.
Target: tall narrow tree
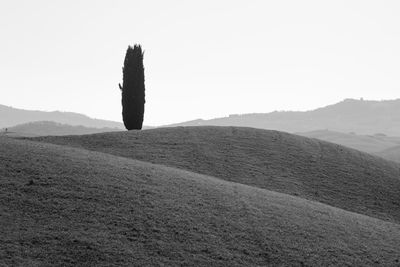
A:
(133, 88)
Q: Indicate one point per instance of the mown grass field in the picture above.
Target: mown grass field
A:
(272, 160)
(66, 206)
(70, 205)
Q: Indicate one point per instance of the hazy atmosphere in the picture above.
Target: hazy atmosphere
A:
(200, 133)
(203, 59)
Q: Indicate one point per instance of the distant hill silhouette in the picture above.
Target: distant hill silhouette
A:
(368, 143)
(350, 115)
(10, 116)
(392, 153)
(43, 128)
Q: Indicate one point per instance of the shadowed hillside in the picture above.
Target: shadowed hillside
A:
(65, 206)
(350, 115)
(277, 161)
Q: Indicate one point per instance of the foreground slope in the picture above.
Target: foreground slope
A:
(65, 206)
(277, 161)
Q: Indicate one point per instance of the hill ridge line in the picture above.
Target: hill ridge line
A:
(276, 161)
(376, 156)
(203, 176)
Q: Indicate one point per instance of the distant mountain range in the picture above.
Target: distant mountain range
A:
(357, 116)
(10, 116)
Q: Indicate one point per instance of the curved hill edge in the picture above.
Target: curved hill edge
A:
(89, 206)
(277, 161)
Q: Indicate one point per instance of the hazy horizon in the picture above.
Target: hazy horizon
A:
(222, 116)
(202, 60)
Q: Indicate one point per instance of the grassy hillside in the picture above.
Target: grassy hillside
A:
(367, 143)
(277, 161)
(69, 207)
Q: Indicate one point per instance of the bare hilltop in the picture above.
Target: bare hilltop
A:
(204, 196)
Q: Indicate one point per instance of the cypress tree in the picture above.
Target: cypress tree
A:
(132, 88)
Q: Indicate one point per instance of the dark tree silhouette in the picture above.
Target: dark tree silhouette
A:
(133, 88)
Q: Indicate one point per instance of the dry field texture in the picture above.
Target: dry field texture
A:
(205, 196)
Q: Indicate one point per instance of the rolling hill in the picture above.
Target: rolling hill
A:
(10, 116)
(69, 206)
(271, 160)
(44, 128)
(359, 116)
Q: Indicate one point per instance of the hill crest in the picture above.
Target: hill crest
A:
(276, 161)
(90, 208)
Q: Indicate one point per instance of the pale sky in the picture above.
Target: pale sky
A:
(203, 59)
